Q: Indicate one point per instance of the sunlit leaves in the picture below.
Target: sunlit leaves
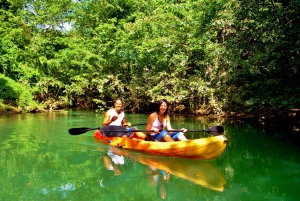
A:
(196, 53)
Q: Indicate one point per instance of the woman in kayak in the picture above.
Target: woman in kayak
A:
(116, 117)
(159, 124)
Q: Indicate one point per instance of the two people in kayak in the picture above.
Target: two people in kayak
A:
(158, 123)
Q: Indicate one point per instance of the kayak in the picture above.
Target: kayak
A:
(203, 148)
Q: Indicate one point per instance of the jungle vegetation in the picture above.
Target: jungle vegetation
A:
(204, 56)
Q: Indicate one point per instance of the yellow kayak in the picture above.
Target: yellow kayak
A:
(204, 148)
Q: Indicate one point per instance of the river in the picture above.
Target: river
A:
(40, 160)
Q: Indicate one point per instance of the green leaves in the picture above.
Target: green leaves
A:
(208, 55)
(15, 94)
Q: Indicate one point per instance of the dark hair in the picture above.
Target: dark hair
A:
(120, 99)
(159, 104)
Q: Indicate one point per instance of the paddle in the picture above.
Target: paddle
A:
(214, 130)
(120, 130)
(78, 131)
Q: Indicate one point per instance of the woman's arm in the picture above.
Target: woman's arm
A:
(124, 123)
(168, 126)
(107, 120)
(150, 121)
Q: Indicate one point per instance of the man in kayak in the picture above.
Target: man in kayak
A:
(116, 117)
(159, 124)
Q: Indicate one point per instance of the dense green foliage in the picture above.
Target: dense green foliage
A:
(203, 56)
(15, 94)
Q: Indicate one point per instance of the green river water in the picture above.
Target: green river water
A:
(40, 160)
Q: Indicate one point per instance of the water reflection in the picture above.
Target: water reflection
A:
(158, 170)
(113, 161)
(39, 160)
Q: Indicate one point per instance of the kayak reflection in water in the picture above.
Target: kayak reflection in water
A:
(159, 179)
(113, 162)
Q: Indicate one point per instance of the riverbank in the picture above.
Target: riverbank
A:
(13, 110)
(291, 116)
(287, 122)
(10, 110)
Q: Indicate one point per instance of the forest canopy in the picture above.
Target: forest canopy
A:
(203, 56)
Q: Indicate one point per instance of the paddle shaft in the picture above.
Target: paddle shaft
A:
(214, 130)
(78, 131)
(154, 131)
(121, 129)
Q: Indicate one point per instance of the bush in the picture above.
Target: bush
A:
(15, 94)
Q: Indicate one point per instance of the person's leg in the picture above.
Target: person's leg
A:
(168, 138)
(182, 137)
(139, 135)
(130, 134)
(178, 136)
(165, 136)
(161, 137)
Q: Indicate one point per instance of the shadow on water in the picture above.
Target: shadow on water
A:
(260, 164)
(280, 129)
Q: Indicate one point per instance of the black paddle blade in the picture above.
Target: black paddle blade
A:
(78, 131)
(114, 131)
(215, 130)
